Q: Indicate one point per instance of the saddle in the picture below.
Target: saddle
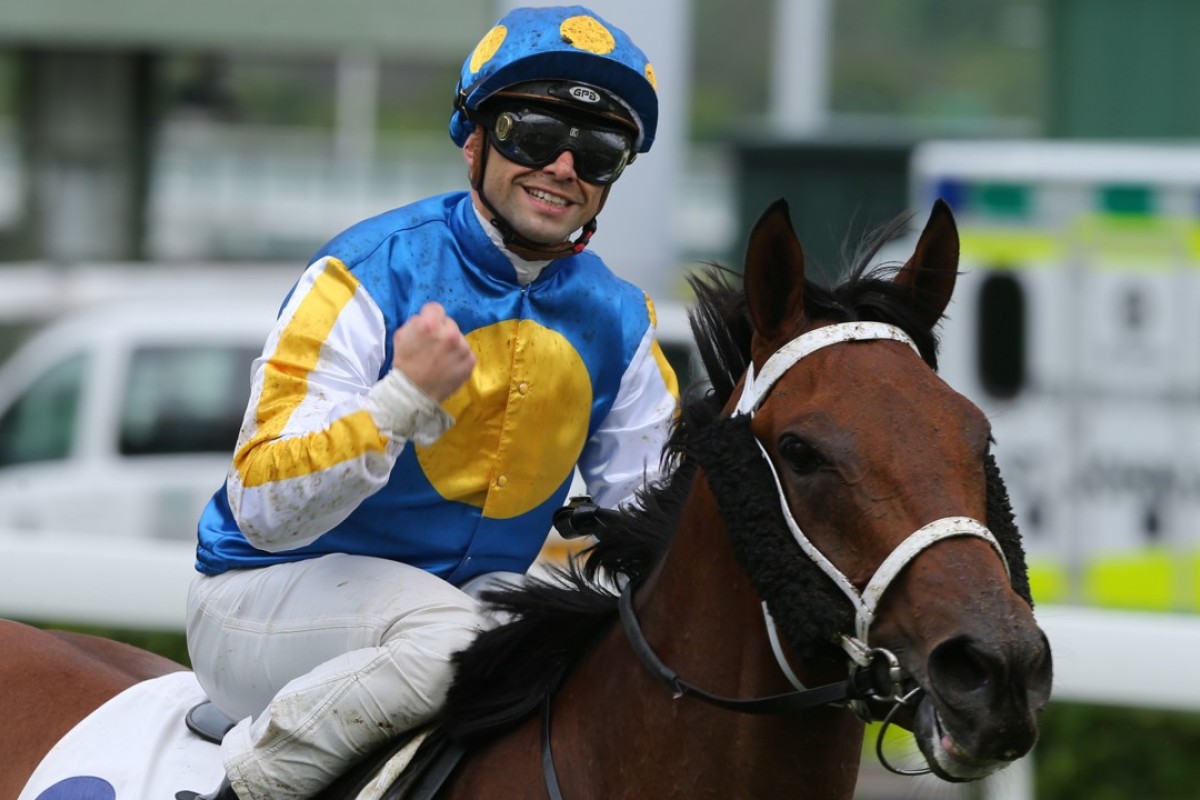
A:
(421, 778)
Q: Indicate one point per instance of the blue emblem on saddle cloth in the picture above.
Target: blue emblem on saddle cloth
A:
(82, 787)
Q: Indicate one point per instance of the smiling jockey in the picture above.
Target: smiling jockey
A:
(430, 385)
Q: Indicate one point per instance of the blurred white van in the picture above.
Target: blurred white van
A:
(120, 420)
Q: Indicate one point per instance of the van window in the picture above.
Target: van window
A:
(187, 399)
(41, 424)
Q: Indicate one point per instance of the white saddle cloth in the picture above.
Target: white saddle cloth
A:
(137, 747)
(134, 747)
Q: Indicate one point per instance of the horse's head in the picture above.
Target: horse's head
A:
(869, 445)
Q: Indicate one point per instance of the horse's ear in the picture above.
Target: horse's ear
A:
(933, 268)
(774, 271)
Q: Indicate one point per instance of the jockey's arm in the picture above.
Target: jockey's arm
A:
(321, 433)
(625, 452)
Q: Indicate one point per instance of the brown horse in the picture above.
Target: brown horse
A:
(49, 681)
(822, 526)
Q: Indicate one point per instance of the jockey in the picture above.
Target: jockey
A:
(432, 381)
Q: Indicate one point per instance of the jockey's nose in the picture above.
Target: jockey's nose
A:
(563, 167)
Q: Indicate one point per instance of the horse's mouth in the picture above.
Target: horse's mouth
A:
(948, 760)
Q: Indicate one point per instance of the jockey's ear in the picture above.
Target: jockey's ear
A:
(472, 152)
(931, 272)
(774, 273)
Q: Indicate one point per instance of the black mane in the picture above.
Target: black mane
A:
(504, 675)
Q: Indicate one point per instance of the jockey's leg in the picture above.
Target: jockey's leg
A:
(323, 661)
(492, 582)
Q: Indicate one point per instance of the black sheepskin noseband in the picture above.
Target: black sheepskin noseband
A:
(809, 610)
(1003, 525)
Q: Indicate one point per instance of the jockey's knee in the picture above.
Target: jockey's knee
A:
(422, 652)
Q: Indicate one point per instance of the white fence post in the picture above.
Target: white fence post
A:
(1014, 783)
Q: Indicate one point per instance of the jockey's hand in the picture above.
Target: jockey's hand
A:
(432, 352)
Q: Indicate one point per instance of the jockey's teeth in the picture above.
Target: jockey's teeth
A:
(549, 198)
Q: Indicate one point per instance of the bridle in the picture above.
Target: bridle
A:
(875, 675)
(865, 603)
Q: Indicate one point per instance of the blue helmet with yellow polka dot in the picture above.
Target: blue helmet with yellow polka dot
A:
(544, 46)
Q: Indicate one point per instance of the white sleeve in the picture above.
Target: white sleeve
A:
(320, 433)
(625, 451)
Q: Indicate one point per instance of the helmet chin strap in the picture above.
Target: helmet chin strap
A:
(514, 241)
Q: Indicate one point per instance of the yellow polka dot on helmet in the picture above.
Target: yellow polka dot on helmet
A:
(587, 33)
(487, 47)
(561, 43)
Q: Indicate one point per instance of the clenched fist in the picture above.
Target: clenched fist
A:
(432, 352)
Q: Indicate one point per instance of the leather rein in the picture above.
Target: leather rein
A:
(874, 675)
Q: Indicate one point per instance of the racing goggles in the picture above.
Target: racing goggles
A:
(535, 138)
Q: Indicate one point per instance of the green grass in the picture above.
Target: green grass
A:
(1104, 753)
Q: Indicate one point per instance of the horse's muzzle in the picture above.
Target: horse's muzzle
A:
(982, 703)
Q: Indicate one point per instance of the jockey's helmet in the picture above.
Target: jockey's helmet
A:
(566, 57)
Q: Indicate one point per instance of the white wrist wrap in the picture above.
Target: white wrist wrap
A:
(403, 411)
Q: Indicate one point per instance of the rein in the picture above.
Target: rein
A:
(857, 686)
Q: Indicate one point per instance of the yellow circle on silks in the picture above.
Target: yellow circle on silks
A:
(586, 33)
(650, 76)
(487, 47)
(521, 420)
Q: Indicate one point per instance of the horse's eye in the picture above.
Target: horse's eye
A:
(801, 456)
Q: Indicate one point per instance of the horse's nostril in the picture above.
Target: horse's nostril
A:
(1041, 675)
(958, 666)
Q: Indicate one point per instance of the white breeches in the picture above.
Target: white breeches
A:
(322, 661)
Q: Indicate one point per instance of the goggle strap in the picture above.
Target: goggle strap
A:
(585, 237)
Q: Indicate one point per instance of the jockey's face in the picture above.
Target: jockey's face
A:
(544, 204)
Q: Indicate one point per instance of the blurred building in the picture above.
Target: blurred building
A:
(256, 131)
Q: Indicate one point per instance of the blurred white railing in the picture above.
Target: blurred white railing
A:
(1136, 659)
(260, 192)
(76, 578)
(247, 192)
(138, 584)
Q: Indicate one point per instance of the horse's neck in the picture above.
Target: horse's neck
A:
(702, 617)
